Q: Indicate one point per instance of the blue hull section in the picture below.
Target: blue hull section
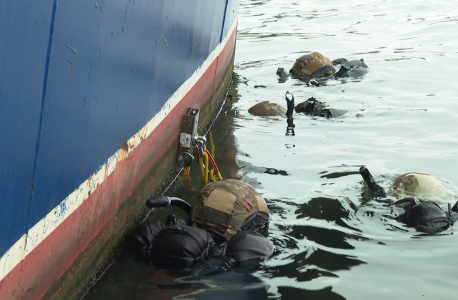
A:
(78, 79)
(91, 100)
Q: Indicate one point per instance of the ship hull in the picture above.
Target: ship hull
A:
(102, 129)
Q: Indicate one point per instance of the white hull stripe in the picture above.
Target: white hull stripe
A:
(45, 226)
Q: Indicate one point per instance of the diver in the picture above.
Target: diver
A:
(228, 219)
(315, 65)
(424, 215)
(311, 107)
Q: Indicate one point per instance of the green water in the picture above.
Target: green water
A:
(333, 241)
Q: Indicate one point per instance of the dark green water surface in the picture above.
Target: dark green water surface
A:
(332, 239)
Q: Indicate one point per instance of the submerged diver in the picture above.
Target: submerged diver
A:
(423, 215)
(229, 218)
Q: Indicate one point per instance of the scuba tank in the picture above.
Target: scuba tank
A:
(425, 216)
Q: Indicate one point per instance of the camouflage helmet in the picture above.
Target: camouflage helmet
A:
(312, 65)
(267, 108)
(228, 206)
(423, 186)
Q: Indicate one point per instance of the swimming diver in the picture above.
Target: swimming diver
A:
(315, 65)
(423, 215)
(228, 219)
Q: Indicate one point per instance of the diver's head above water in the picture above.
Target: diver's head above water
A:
(223, 207)
(228, 206)
(422, 185)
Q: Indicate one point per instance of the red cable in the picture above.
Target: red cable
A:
(212, 161)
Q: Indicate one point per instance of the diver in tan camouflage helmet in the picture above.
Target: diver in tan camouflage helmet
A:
(316, 65)
(423, 195)
(228, 219)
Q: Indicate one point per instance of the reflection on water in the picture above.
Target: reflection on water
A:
(333, 239)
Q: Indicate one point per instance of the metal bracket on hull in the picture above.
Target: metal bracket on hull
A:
(192, 145)
(188, 131)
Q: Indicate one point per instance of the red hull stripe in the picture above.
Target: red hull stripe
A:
(48, 259)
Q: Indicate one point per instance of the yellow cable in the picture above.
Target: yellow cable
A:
(184, 174)
(210, 138)
(201, 164)
(211, 173)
